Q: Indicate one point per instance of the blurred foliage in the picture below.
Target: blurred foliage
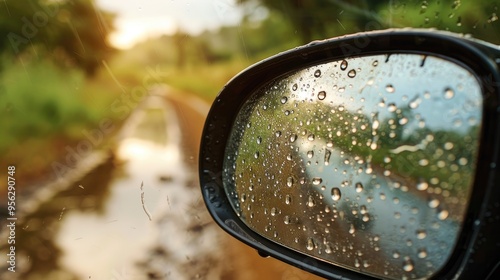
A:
(43, 100)
(50, 89)
(322, 19)
(71, 32)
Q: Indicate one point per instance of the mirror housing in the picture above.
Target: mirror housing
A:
(471, 256)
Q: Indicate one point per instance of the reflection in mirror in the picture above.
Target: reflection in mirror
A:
(366, 163)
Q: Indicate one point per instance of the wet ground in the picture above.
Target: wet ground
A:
(137, 213)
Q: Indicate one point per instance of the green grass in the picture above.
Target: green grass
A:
(205, 80)
(45, 108)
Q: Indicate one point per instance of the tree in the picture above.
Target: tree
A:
(74, 33)
(322, 19)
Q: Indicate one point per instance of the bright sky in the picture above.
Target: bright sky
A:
(138, 20)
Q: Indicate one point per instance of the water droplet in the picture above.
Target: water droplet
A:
(310, 244)
(408, 265)
(375, 124)
(390, 88)
(448, 146)
(421, 234)
(317, 73)
(415, 103)
(256, 155)
(359, 187)
(328, 249)
(294, 87)
(422, 253)
(396, 254)
(449, 93)
(366, 218)
(287, 220)
(434, 203)
(352, 230)
(336, 194)
(328, 154)
(310, 154)
(493, 18)
(392, 107)
(273, 211)
(356, 263)
(343, 65)
(422, 186)
(462, 161)
(310, 201)
(293, 137)
(423, 162)
(277, 133)
(259, 140)
(317, 180)
(284, 99)
(289, 181)
(368, 169)
(288, 199)
(351, 73)
(375, 63)
(310, 137)
(443, 214)
(322, 95)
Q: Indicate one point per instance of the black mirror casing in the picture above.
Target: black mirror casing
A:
(478, 251)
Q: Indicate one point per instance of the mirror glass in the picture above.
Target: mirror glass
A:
(366, 163)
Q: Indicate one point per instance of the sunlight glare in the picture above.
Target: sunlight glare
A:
(130, 31)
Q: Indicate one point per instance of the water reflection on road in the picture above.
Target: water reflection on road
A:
(105, 225)
(109, 243)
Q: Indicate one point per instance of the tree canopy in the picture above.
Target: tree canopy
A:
(73, 33)
(322, 19)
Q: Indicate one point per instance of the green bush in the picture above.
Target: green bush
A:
(39, 100)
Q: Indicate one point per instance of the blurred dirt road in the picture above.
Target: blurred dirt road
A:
(238, 261)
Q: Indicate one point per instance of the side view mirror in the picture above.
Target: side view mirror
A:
(374, 155)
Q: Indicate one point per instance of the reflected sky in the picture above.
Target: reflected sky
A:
(438, 94)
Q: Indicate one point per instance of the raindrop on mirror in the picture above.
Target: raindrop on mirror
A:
(336, 194)
(369, 179)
